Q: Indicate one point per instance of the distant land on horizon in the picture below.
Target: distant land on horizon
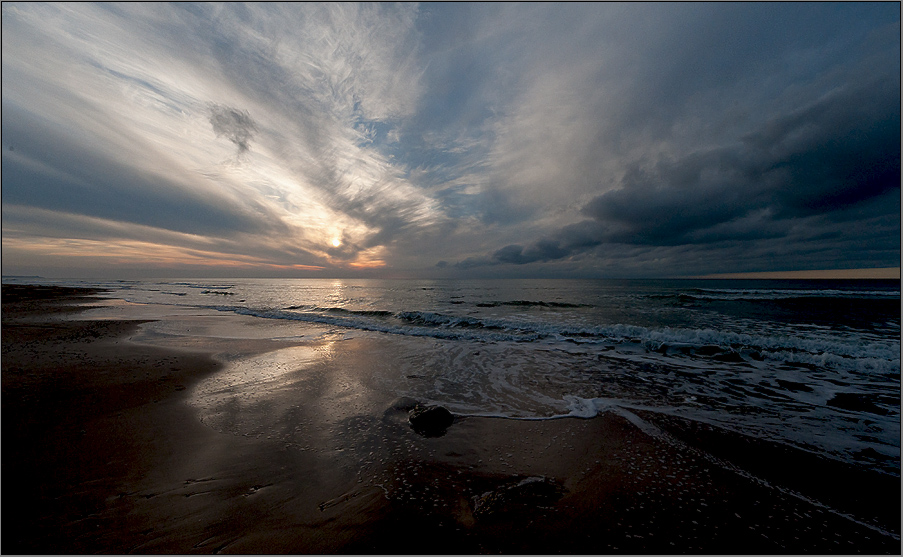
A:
(879, 273)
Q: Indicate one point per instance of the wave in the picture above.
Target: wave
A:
(528, 303)
(199, 286)
(404, 323)
(439, 320)
(730, 294)
(792, 347)
(343, 311)
(855, 353)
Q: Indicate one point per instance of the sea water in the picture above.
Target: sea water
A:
(813, 364)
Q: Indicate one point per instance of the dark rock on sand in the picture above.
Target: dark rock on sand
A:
(523, 495)
(430, 421)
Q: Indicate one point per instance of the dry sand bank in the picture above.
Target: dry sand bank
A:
(102, 453)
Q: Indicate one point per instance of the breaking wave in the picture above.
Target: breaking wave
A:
(829, 350)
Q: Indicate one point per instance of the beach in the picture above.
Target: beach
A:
(114, 441)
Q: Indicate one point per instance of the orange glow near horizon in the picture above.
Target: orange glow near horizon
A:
(375, 264)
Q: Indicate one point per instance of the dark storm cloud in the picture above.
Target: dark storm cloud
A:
(822, 159)
(569, 240)
(837, 157)
(236, 125)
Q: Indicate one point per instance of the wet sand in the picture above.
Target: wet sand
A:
(102, 453)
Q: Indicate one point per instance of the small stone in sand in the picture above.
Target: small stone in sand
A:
(430, 421)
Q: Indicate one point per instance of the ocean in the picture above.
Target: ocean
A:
(811, 364)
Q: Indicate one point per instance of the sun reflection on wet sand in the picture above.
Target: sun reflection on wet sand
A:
(295, 394)
(253, 379)
(262, 396)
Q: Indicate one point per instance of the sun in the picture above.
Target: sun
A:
(336, 242)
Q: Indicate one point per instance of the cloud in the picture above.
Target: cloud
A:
(235, 124)
(831, 151)
(821, 159)
(752, 192)
(310, 75)
(55, 170)
(51, 231)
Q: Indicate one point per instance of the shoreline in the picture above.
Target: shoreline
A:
(105, 455)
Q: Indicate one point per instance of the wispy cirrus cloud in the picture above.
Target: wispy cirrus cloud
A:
(162, 93)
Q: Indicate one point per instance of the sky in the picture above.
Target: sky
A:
(449, 140)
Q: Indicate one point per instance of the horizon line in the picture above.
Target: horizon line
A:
(883, 273)
(865, 274)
